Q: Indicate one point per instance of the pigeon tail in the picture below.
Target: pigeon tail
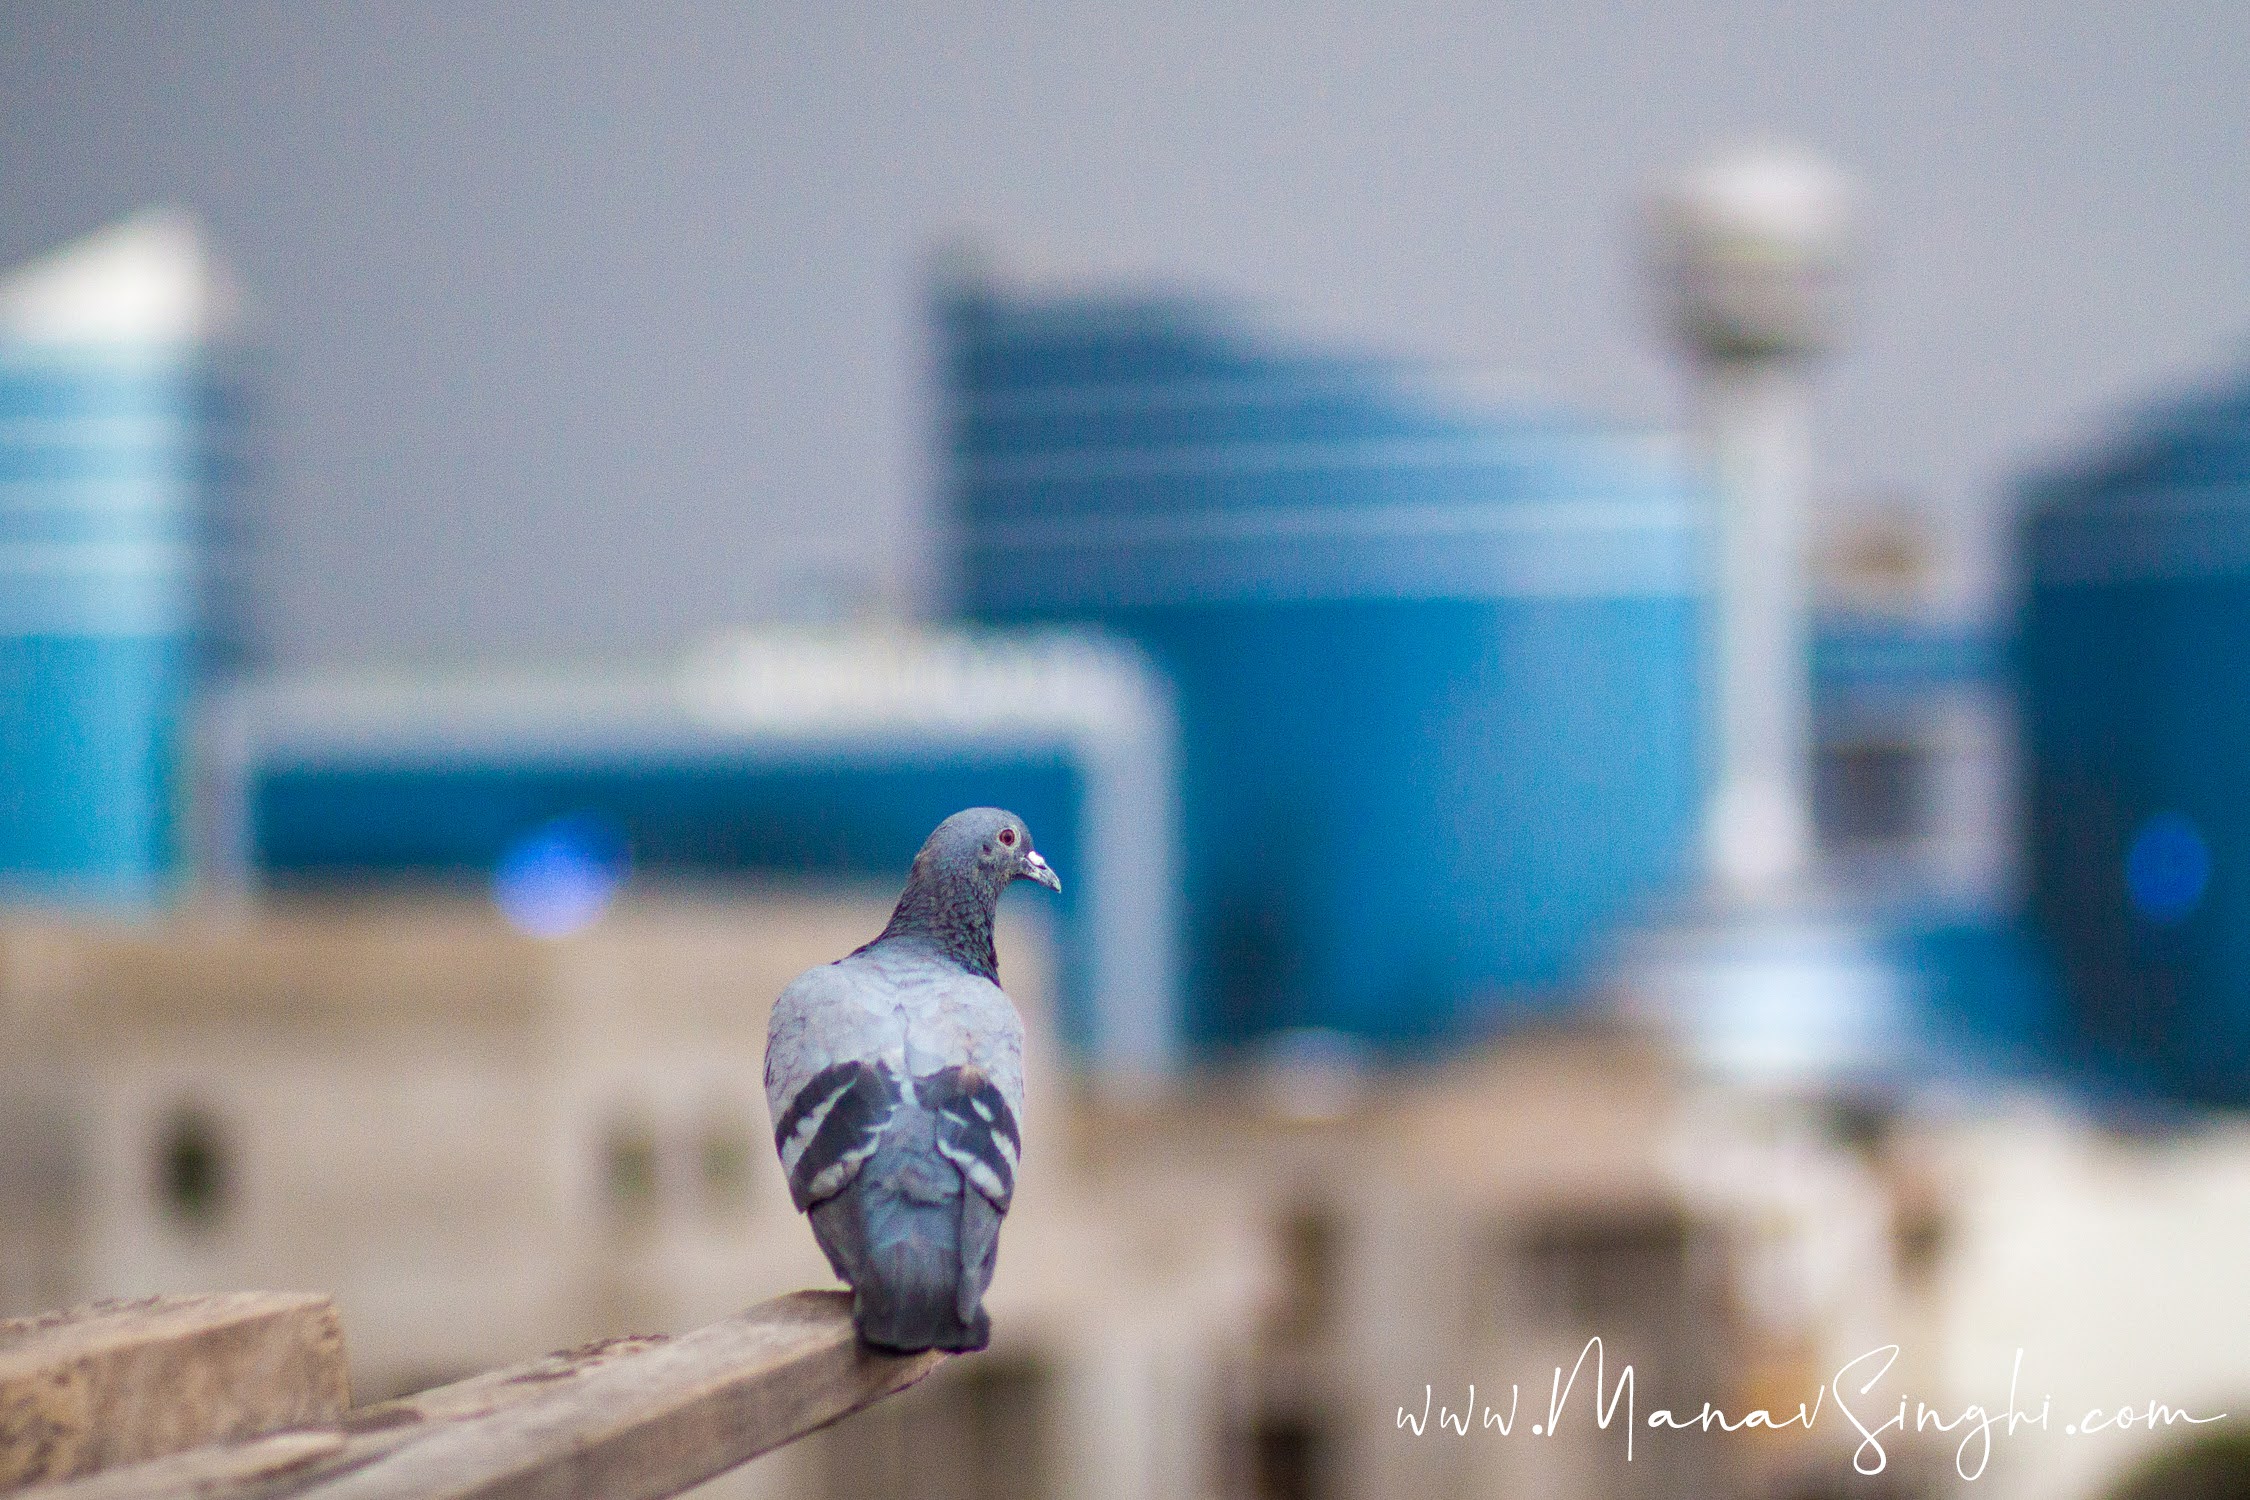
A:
(916, 1244)
(910, 1301)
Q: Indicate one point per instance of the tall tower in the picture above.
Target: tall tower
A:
(1750, 251)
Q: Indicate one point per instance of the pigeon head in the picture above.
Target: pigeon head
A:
(984, 846)
(956, 882)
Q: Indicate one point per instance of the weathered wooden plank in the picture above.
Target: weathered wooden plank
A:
(121, 1382)
(627, 1419)
(251, 1467)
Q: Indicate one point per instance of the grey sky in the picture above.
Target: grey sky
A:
(594, 327)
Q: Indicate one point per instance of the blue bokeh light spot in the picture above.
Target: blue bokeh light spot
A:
(561, 876)
(2167, 869)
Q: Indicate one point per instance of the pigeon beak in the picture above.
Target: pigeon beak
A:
(1037, 868)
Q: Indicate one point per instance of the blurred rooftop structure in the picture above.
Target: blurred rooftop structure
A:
(2137, 729)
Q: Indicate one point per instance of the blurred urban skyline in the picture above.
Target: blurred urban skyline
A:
(1404, 1023)
(599, 333)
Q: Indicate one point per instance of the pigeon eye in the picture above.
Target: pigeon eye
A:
(1008, 837)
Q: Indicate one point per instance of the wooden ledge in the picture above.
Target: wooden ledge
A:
(118, 1382)
(627, 1419)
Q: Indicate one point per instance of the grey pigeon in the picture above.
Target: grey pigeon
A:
(895, 1078)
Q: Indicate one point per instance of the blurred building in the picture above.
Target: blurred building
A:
(1440, 668)
(2137, 728)
(486, 1144)
(1436, 663)
(1899, 963)
(114, 418)
(1914, 776)
(804, 758)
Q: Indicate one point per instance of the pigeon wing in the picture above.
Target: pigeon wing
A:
(835, 1064)
(848, 1040)
(965, 1055)
(976, 1129)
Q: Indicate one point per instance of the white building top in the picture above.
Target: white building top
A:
(148, 280)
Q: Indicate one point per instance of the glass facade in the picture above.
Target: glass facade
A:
(1436, 666)
(107, 471)
(2137, 723)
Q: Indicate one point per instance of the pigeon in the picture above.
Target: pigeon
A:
(895, 1080)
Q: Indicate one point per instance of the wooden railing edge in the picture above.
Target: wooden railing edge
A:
(637, 1418)
(116, 1382)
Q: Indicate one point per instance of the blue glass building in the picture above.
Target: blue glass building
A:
(2137, 723)
(1436, 665)
(108, 470)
